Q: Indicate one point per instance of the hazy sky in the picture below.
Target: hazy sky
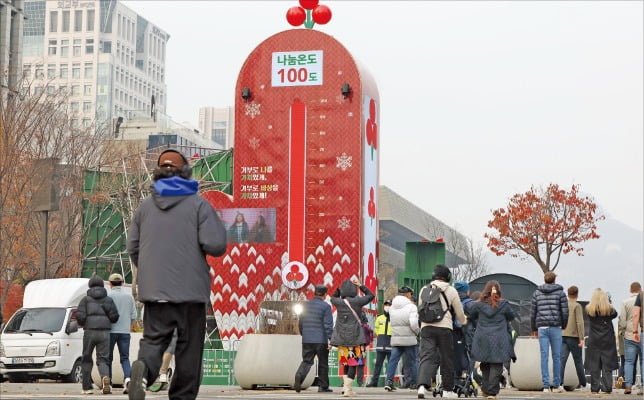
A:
(479, 100)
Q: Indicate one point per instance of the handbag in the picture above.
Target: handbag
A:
(368, 332)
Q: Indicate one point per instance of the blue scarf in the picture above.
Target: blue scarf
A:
(175, 186)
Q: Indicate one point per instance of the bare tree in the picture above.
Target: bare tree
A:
(475, 266)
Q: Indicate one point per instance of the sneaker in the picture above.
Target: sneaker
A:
(640, 391)
(88, 391)
(297, 386)
(450, 395)
(372, 384)
(138, 381)
(619, 383)
(421, 391)
(107, 389)
(163, 378)
(546, 390)
(559, 389)
(627, 390)
(126, 383)
(389, 387)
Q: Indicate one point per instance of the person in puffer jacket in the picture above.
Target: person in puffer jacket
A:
(404, 330)
(96, 313)
(549, 318)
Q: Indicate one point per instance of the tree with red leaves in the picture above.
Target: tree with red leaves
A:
(543, 224)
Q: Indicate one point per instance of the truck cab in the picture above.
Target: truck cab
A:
(43, 339)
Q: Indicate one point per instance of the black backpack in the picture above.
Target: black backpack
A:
(431, 310)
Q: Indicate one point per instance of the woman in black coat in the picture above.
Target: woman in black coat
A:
(492, 342)
(601, 353)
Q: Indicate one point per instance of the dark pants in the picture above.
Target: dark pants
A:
(491, 377)
(309, 352)
(122, 341)
(601, 377)
(159, 322)
(571, 345)
(360, 373)
(436, 349)
(461, 364)
(380, 359)
(99, 339)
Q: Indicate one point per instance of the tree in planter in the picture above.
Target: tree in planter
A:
(544, 224)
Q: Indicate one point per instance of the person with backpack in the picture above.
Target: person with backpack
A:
(439, 304)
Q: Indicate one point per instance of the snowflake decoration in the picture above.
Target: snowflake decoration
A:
(253, 143)
(344, 223)
(252, 109)
(344, 161)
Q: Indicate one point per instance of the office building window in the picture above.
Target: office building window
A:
(64, 48)
(90, 20)
(76, 71)
(106, 46)
(76, 91)
(87, 106)
(63, 89)
(64, 73)
(78, 20)
(51, 71)
(89, 46)
(88, 90)
(74, 123)
(53, 21)
(86, 122)
(26, 70)
(39, 72)
(77, 47)
(51, 90)
(65, 21)
(74, 106)
(52, 47)
(37, 91)
(89, 71)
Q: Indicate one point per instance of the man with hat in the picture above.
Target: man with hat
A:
(404, 329)
(172, 232)
(436, 345)
(463, 334)
(382, 329)
(120, 332)
(316, 327)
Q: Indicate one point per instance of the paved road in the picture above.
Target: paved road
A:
(43, 391)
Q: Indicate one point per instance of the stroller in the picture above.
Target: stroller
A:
(467, 384)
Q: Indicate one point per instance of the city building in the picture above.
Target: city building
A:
(218, 124)
(11, 26)
(109, 59)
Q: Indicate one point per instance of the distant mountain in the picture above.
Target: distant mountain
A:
(611, 262)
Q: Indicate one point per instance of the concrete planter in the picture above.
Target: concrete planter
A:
(526, 372)
(269, 360)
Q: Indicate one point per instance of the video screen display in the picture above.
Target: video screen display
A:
(249, 225)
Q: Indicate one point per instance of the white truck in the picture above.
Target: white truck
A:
(43, 339)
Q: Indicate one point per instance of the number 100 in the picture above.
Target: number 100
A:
(294, 75)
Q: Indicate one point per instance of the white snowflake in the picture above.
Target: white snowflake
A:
(344, 161)
(344, 223)
(252, 109)
(253, 143)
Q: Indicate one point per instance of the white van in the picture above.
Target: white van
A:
(43, 339)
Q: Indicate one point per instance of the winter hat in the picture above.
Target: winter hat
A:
(462, 287)
(171, 158)
(95, 281)
(320, 290)
(441, 272)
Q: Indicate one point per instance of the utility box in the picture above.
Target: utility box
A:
(420, 260)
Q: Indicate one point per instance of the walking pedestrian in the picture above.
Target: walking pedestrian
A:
(638, 326)
(120, 331)
(548, 318)
(492, 343)
(96, 313)
(573, 338)
(348, 334)
(404, 330)
(632, 348)
(436, 343)
(171, 233)
(601, 354)
(382, 329)
(316, 327)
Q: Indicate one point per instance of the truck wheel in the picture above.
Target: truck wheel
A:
(76, 376)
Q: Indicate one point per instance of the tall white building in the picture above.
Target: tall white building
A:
(110, 59)
(11, 25)
(218, 124)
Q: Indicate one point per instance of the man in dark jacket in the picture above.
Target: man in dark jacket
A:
(316, 328)
(549, 317)
(96, 313)
(171, 233)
